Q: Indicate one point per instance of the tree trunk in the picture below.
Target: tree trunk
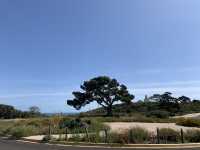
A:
(109, 111)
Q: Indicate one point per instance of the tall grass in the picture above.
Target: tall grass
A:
(23, 131)
(188, 122)
(192, 136)
(134, 135)
(134, 118)
(138, 135)
(168, 135)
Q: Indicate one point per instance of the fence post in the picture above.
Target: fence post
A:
(86, 131)
(182, 136)
(158, 136)
(49, 129)
(131, 136)
(106, 136)
(66, 133)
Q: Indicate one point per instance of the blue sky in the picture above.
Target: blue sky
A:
(48, 47)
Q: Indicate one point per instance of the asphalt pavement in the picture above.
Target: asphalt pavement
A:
(17, 145)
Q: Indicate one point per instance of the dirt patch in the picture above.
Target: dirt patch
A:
(193, 115)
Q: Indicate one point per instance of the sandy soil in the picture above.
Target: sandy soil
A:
(55, 136)
(8, 120)
(151, 127)
(194, 115)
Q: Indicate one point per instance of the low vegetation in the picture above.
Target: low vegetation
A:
(188, 122)
(90, 130)
(168, 135)
(54, 125)
(192, 136)
(150, 108)
(9, 112)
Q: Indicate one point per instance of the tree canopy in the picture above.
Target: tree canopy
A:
(9, 112)
(167, 102)
(103, 90)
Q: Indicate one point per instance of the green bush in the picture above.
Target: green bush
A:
(5, 127)
(192, 136)
(138, 135)
(46, 138)
(134, 118)
(135, 135)
(4, 131)
(76, 138)
(121, 138)
(23, 131)
(96, 138)
(188, 122)
(168, 134)
(159, 114)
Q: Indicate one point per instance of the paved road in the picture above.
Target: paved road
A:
(14, 145)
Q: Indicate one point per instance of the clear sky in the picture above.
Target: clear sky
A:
(48, 47)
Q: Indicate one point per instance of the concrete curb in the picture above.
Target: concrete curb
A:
(116, 146)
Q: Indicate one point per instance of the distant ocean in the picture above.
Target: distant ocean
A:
(62, 114)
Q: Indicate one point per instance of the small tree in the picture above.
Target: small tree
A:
(184, 100)
(104, 90)
(34, 111)
(167, 102)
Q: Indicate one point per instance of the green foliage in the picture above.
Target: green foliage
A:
(5, 127)
(18, 129)
(103, 90)
(77, 138)
(138, 135)
(23, 131)
(79, 125)
(169, 134)
(167, 102)
(134, 118)
(37, 126)
(192, 136)
(95, 138)
(46, 138)
(9, 112)
(74, 123)
(120, 138)
(34, 111)
(152, 108)
(135, 135)
(26, 127)
(188, 122)
(158, 114)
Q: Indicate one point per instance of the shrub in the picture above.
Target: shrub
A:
(188, 122)
(192, 136)
(46, 138)
(34, 122)
(134, 118)
(23, 131)
(168, 134)
(138, 135)
(96, 138)
(4, 131)
(121, 138)
(76, 138)
(135, 135)
(5, 127)
(159, 114)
